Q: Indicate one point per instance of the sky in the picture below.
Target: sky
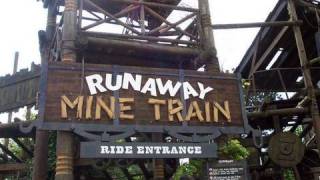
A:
(22, 19)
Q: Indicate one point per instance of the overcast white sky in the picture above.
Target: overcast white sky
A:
(21, 20)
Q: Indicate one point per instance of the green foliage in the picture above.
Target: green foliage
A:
(289, 175)
(193, 168)
(234, 149)
(52, 155)
(259, 97)
(298, 130)
(136, 172)
(117, 173)
(15, 149)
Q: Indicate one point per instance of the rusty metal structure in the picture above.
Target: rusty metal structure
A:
(283, 59)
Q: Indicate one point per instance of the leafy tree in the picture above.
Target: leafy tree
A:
(233, 149)
(193, 169)
(289, 175)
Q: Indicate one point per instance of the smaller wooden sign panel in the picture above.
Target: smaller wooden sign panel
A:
(147, 150)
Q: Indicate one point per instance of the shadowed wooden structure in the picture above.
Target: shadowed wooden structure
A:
(123, 32)
(283, 58)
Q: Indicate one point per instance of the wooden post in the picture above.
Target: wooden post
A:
(64, 165)
(15, 69)
(64, 162)
(40, 162)
(158, 164)
(277, 129)
(306, 72)
(69, 31)
(207, 37)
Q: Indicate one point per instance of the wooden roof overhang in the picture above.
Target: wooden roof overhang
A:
(272, 40)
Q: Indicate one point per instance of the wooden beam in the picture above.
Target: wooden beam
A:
(148, 38)
(13, 130)
(283, 112)
(12, 167)
(11, 154)
(141, 46)
(165, 28)
(158, 16)
(112, 16)
(304, 63)
(207, 37)
(271, 48)
(256, 24)
(157, 5)
(23, 147)
(117, 15)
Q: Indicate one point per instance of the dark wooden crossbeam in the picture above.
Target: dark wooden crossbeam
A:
(11, 154)
(23, 147)
(12, 167)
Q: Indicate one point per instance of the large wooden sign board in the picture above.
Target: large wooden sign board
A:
(93, 97)
(19, 90)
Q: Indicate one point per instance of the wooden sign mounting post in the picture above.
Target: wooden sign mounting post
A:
(64, 165)
(40, 164)
(207, 38)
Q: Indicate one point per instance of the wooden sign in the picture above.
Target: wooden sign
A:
(20, 89)
(147, 150)
(105, 94)
(286, 149)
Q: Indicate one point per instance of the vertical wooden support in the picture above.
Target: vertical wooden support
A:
(64, 162)
(277, 129)
(306, 72)
(158, 164)
(15, 69)
(64, 166)
(207, 38)
(40, 162)
(69, 31)
(50, 29)
(142, 19)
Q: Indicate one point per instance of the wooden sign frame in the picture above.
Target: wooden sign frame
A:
(186, 131)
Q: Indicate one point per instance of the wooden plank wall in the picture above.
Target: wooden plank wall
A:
(20, 89)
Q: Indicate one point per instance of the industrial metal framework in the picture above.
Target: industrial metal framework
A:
(282, 59)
